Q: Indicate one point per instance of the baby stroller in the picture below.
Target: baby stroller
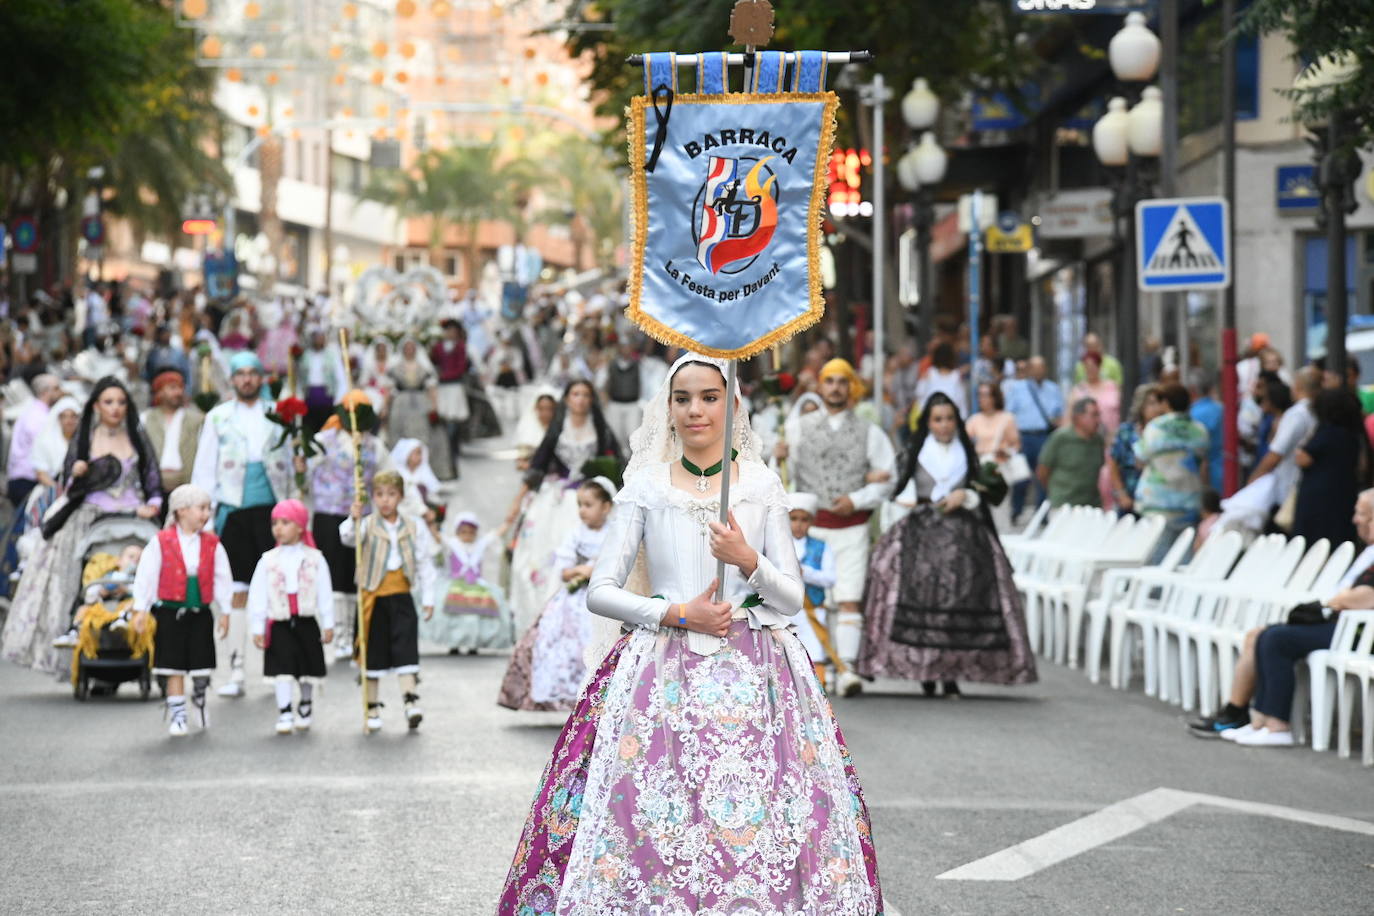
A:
(109, 652)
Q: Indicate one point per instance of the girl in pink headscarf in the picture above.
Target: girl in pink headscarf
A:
(291, 613)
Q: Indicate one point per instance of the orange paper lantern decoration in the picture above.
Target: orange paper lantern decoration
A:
(440, 80)
(211, 46)
(263, 131)
(258, 50)
(402, 77)
(288, 111)
(194, 9)
(496, 11)
(407, 49)
(529, 54)
(233, 75)
(379, 49)
(252, 111)
(453, 53)
(295, 135)
(251, 10)
(350, 10)
(347, 112)
(405, 8)
(541, 78)
(381, 109)
(273, 79)
(505, 81)
(441, 8)
(377, 77)
(338, 79)
(335, 51)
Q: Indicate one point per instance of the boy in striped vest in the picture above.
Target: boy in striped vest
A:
(397, 560)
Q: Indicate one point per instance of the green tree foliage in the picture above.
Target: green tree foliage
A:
(954, 45)
(1318, 29)
(584, 190)
(464, 186)
(109, 83)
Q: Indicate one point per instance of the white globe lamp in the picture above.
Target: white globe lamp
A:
(1145, 133)
(1134, 51)
(920, 106)
(930, 160)
(1111, 134)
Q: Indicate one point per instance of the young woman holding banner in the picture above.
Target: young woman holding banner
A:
(702, 770)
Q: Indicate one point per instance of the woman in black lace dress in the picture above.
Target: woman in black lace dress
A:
(941, 606)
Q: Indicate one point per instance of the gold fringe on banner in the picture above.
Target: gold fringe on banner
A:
(639, 211)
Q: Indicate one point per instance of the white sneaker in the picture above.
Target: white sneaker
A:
(66, 641)
(178, 728)
(286, 723)
(374, 723)
(850, 684)
(1234, 734)
(1263, 737)
(342, 650)
(303, 718)
(231, 689)
(413, 715)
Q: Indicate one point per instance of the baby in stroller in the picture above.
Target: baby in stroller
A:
(107, 580)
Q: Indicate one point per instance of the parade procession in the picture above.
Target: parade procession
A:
(598, 459)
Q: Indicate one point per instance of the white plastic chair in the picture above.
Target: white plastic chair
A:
(1357, 666)
(1143, 612)
(1120, 586)
(1231, 644)
(1324, 669)
(1258, 573)
(1066, 601)
(1258, 607)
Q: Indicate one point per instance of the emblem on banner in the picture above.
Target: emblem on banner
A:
(737, 218)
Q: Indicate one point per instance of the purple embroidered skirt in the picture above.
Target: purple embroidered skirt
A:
(690, 785)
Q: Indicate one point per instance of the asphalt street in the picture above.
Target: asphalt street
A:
(103, 813)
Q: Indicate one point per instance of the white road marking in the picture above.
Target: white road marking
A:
(1122, 819)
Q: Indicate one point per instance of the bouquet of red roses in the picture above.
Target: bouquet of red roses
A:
(289, 413)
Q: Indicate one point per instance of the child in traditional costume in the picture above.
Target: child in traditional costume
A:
(397, 559)
(473, 610)
(183, 571)
(548, 667)
(818, 574)
(291, 613)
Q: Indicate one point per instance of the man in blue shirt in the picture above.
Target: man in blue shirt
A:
(1206, 409)
(1038, 406)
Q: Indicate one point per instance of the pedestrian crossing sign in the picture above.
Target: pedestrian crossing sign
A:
(1182, 243)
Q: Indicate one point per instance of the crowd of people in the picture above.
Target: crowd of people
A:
(153, 408)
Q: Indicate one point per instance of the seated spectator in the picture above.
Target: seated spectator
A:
(1256, 714)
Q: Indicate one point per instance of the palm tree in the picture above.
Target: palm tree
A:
(587, 190)
(465, 186)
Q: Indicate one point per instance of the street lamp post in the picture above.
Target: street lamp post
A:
(878, 95)
(919, 171)
(1338, 167)
(1123, 139)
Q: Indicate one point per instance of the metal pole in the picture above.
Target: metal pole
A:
(1168, 304)
(1128, 308)
(731, 386)
(925, 308)
(1230, 395)
(975, 290)
(328, 212)
(1333, 176)
(879, 239)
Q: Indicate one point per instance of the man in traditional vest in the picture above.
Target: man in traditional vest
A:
(246, 468)
(848, 463)
(621, 387)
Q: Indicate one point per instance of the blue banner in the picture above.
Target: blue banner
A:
(727, 213)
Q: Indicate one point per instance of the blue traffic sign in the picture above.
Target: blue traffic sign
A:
(1182, 243)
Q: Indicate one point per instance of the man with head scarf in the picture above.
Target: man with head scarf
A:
(848, 463)
(245, 466)
(19, 472)
(173, 427)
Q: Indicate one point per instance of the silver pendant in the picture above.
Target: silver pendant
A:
(702, 485)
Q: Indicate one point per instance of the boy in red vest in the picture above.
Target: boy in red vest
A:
(181, 573)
